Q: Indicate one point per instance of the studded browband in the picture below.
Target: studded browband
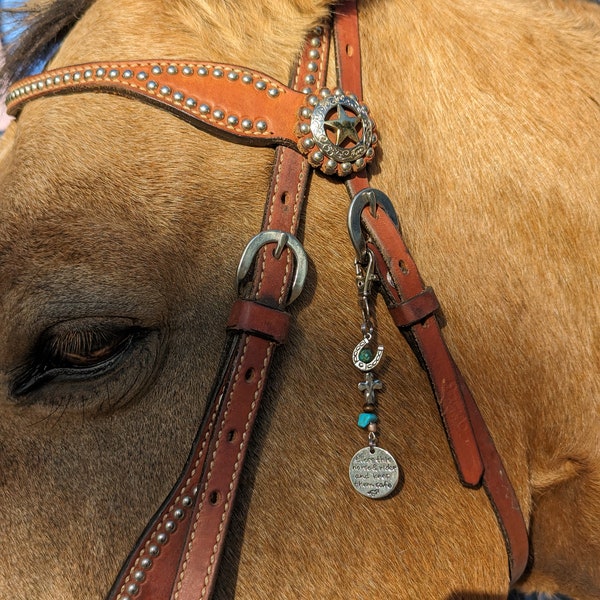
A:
(178, 555)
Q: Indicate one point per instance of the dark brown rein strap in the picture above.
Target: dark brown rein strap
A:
(178, 555)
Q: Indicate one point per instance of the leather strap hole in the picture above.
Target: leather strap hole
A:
(349, 50)
(231, 435)
(249, 375)
(215, 497)
(284, 197)
(403, 267)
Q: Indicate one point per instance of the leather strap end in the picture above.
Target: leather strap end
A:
(260, 320)
(415, 309)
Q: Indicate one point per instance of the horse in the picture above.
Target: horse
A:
(121, 231)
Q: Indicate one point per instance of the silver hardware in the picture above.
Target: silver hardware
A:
(172, 70)
(373, 198)
(261, 125)
(374, 472)
(282, 239)
(217, 72)
(246, 124)
(232, 120)
(232, 76)
(156, 70)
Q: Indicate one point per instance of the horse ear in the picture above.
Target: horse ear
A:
(31, 34)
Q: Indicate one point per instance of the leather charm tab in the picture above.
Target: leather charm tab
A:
(415, 309)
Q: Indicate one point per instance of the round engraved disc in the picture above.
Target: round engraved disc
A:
(374, 472)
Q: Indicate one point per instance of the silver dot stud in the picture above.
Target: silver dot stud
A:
(162, 538)
(306, 90)
(100, 72)
(204, 109)
(165, 90)
(170, 526)
(218, 114)
(232, 76)
(306, 112)
(246, 124)
(186, 501)
(113, 73)
(151, 85)
(308, 143)
(146, 563)
(133, 589)
(142, 76)
(179, 513)
(315, 42)
(232, 120)
(314, 54)
(260, 85)
(139, 576)
(154, 550)
(172, 70)
(156, 70)
(247, 78)
(191, 103)
(187, 71)
(178, 97)
(127, 74)
(273, 92)
(261, 125)
(304, 128)
(310, 79)
(202, 71)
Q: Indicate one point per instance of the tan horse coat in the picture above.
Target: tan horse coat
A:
(117, 216)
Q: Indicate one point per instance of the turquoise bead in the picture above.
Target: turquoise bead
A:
(365, 419)
(366, 355)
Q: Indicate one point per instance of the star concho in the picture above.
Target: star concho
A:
(336, 133)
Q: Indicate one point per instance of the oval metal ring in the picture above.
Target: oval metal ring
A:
(374, 198)
(282, 239)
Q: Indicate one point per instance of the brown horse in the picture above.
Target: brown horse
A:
(120, 235)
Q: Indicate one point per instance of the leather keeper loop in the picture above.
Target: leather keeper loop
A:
(415, 309)
(257, 319)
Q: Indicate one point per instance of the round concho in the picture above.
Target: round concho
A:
(374, 472)
(340, 117)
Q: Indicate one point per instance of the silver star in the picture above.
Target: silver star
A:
(344, 126)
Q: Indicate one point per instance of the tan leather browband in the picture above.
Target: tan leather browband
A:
(177, 556)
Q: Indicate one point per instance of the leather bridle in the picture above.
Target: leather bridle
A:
(177, 557)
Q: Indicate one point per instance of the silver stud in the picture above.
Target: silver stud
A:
(146, 563)
(162, 538)
(186, 501)
(40, 84)
(317, 157)
(172, 70)
(218, 114)
(27, 89)
(190, 103)
(319, 30)
(314, 54)
(232, 120)
(306, 90)
(127, 74)
(374, 138)
(353, 96)
(369, 153)
(178, 97)
(154, 550)
(310, 79)
(178, 513)
(273, 92)
(217, 72)
(165, 90)
(246, 124)
(67, 77)
(170, 526)
(100, 72)
(202, 71)
(306, 112)
(313, 100)
(325, 92)
(308, 143)
(346, 168)
(113, 73)
(247, 78)
(304, 128)
(57, 80)
(142, 75)
(204, 109)
(151, 85)
(315, 42)
(260, 85)
(312, 66)
(330, 166)
(261, 125)
(139, 576)
(359, 163)
(50, 81)
(338, 92)
(232, 76)
(156, 70)
(187, 71)
(133, 589)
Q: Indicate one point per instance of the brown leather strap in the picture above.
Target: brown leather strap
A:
(236, 100)
(413, 307)
(184, 541)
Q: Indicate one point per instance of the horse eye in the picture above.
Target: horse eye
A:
(75, 354)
